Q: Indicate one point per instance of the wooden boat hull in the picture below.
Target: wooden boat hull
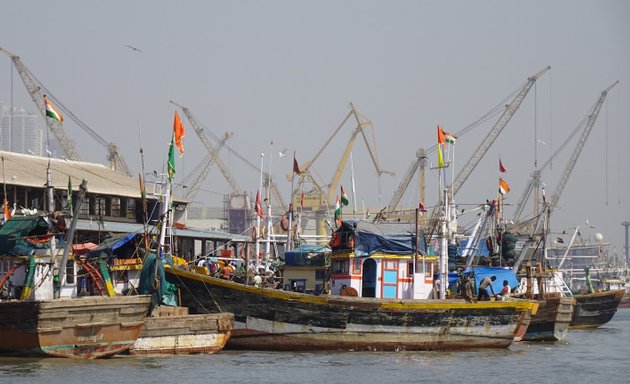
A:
(270, 319)
(551, 321)
(186, 334)
(595, 309)
(89, 327)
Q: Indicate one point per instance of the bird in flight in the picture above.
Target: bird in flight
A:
(134, 48)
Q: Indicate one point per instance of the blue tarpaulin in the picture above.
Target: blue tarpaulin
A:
(392, 238)
(501, 274)
(313, 255)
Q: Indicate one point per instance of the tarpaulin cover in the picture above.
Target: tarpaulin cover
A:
(501, 274)
(16, 229)
(482, 251)
(313, 255)
(392, 238)
(112, 243)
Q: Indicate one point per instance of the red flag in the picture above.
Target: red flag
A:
(502, 167)
(296, 167)
(178, 129)
(259, 210)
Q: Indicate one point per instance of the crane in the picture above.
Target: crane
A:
(234, 185)
(471, 164)
(34, 88)
(318, 198)
(236, 188)
(207, 162)
(362, 124)
(588, 124)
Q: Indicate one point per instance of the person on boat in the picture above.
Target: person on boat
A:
(257, 280)
(505, 292)
(483, 288)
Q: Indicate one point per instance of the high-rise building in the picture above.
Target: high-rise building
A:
(19, 131)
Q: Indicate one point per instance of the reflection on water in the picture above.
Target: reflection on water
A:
(593, 355)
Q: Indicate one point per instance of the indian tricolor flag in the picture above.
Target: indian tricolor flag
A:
(338, 213)
(51, 111)
(450, 138)
(344, 197)
(504, 187)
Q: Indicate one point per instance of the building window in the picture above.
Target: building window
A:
(115, 206)
(100, 206)
(70, 272)
(320, 274)
(131, 208)
(85, 207)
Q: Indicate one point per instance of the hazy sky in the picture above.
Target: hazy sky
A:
(285, 71)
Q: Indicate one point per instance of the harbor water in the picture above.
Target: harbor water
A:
(586, 356)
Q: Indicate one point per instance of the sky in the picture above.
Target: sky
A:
(281, 74)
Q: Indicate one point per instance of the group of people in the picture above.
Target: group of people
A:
(486, 283)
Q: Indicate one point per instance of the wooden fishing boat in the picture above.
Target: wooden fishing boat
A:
(551, 322)
(595, 309)
(272, 319)
(88, 327)
(178, 333)
(44, 310)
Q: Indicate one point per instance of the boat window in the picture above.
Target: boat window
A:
(131, 208)
(340, 266)
(320, 274)
(356, 266)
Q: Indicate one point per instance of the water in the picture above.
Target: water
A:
(586, 356)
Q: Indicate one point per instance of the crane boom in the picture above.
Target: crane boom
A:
(592, 117)
(35, 87)
(487, 142)
(236, 188)
(193, 189)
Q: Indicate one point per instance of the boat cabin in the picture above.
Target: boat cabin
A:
(377, 260)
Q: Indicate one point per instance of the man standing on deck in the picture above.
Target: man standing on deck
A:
(483, 288)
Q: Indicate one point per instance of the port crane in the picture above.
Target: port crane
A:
(534, 182)
(319, 198)
(478, 154)
(37, 90)
(205, 165)
(213, 158)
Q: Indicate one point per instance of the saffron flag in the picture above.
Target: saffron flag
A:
(69, 197)
(7, 214)
(296, 166)
(171, 159)
(502, 167)
(180, 132)
(504, 187)
(337, 213)
(259, 210)
(344, 197)
(51, 111)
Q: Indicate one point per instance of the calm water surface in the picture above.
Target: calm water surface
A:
(599, 356)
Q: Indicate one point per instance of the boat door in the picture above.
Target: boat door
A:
(368, 281)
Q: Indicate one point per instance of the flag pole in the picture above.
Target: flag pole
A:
(258, 233)
(269, 226)
(354, 192)
(288, 247)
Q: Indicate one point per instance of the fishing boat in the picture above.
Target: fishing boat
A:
(400, 317)
(44, 311)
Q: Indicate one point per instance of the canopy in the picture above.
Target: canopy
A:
(312, 255)
(385, 237)
(501, 274)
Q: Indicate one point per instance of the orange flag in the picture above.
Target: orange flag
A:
(178, 129)
(441, 138)
(7, 214)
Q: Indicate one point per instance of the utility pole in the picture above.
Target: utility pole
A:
(626, 224)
